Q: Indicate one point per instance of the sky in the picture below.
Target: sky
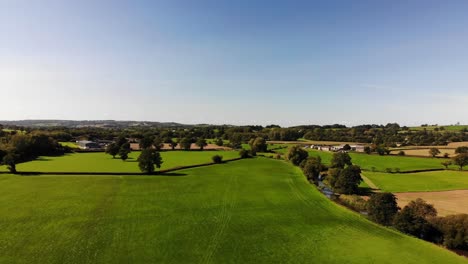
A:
(235, 62)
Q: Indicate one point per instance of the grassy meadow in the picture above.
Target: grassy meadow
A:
(101, 162)
(419, 182)
(249, 211)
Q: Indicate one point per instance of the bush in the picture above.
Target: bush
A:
(401, 153)
(278, 156)
(355, 202)
(217, 159)
(397, 170)
(455, 230)
(388, 170)
(243, 153)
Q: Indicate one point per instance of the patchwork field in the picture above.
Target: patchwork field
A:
(101, 162)
(446, 203)
(381, 163)
(424, 152)
(419, 182)
(249, 211)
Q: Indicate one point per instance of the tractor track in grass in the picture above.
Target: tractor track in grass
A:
(224, 218)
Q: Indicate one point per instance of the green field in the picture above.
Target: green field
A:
(380, 163)
(249, 211)
(421, 181)
(452, 128)
(101, 162)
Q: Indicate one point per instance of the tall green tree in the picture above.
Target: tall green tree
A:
(461, 160)
(10, 160)
(185, 143)
(345, 180)
(296, 154)
(112, 149)
(312, 168)
(340, 160)
(148, 160)
(201, 143)
(434, 152)
(382, 208)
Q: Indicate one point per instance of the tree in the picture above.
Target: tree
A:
(461, 160)
(124, 150)
(158, 143)
(446, 163)
(346, 147)
(380, 150)
(173, 144)
(10, 160)
(296, 155)
(413, 220)
(434, 152)
(455, 231)
(367, 150)
(401, 153)
(345, 180)
(340, 160)
(382, 208)
(146, 142)
(185, 143)
(258, 144)
(201, 143)
(217, 159)
(235, 141)
(312, 168)
(219, 142)
(461, 149)
(112, 149)
(148, 159)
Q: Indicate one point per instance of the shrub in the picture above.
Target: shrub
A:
(446, 155)
(353, 201)
(388, 170)
(217, 159)
(401, 153)
(278, 156)
(243, 153)
(397, 170)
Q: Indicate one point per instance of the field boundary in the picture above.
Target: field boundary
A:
(160, 172)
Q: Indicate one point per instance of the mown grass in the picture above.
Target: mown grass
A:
(421, 181)
(101, 162)
(249, 211)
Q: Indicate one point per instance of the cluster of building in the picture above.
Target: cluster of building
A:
(93, 145)
(338, 148)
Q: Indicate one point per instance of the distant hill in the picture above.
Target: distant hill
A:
(89, 123)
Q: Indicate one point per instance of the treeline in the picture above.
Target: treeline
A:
(21, 147)
(389, 135)
(419, 219)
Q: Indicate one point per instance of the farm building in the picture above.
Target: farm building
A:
(86, 144)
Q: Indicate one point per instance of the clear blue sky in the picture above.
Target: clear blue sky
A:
(238, 62)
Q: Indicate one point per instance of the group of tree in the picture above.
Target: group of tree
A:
(26, 146)
(419, 219)
(120, 147)
(343, 176)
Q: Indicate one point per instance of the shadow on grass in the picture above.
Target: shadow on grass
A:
(366, 191)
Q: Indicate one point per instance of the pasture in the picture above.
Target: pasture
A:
(419, 182)
(101, 162)
(381, 163)
(249, 211)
